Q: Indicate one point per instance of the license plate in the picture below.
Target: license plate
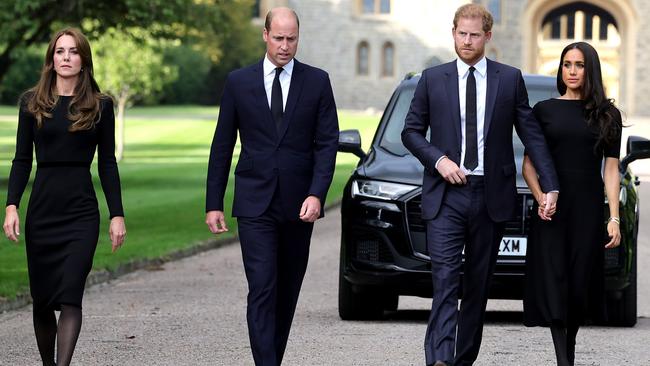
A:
(513, 246)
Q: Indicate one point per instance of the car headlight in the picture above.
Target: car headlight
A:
(380, 190)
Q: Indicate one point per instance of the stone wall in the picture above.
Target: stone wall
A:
(641, 92)
(330, 31)
(421, 30)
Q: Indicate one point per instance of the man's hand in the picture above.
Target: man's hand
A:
(451, 172)
(550, 203)
(216, 222)
(310, 210)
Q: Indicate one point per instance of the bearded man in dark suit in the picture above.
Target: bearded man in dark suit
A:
(469, 190)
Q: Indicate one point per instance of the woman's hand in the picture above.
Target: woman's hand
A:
(614, 232)
(12, 223)
(117, 232)
(541, 210)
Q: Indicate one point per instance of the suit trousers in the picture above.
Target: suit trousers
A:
(275, 250)
(454, 335)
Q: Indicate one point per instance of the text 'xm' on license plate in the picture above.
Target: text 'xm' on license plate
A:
(513, 246)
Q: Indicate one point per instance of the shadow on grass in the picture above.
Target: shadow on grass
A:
(132, 147)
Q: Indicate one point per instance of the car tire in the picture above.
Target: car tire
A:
(622, 311)
(390, 302)
(628, 300)
(358, 303)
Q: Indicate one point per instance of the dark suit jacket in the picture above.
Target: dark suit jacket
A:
(298, 159)
(435, 105)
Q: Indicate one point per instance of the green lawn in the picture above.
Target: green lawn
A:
(163, 182)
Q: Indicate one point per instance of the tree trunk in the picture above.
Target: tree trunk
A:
(5, 63)
(119, 133)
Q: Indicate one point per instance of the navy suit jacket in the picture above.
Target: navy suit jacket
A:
(435, 105)
(298, 159)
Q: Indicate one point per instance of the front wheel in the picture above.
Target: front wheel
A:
(358, 303)
(622, 311)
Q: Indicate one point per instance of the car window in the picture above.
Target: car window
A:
(537, 94)
(391, 139)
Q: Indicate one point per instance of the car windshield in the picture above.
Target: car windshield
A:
(391, 139)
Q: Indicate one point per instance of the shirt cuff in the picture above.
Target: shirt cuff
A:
(438, 161)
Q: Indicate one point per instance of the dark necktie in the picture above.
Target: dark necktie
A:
(276, 98)
(471, 148)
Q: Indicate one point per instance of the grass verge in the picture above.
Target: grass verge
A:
(163, 182)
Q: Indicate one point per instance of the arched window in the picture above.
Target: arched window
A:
(494, 7)
(579, 21)
(363, 58)
(257, 11)
(388, 59)
(375, 6)
(384, 6)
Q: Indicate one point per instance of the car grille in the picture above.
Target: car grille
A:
(519, 226)
(521, 223)
(414, 214)
(372, 249)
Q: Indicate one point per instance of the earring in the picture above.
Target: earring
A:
(82, 69)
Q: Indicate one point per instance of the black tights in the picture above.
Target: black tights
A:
(65, 333)
(564, 341)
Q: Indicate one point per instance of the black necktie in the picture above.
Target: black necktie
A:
(471, 148)
(276, 98)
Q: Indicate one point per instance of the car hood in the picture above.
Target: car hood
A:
(384, 166)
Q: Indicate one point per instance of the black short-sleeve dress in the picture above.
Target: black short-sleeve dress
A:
(62, 222)
(564, 259)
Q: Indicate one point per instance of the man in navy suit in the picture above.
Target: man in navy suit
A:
(285, 114)
(469, 189)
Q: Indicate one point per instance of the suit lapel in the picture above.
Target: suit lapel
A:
(259, 93)
(452, 98)
(491, 97)
(297, 78)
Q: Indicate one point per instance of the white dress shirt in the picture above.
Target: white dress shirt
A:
(285, 79)
(480, 74)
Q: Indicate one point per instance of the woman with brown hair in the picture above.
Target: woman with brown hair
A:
(65, 118)
(564, 260)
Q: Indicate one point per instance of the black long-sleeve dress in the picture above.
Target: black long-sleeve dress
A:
(564, 259)
(62, 223)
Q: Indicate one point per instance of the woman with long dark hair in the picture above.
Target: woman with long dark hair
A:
(564, 260)
(65, 118)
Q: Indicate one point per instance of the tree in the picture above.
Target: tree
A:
(24, 74)
(129, 66)
(240, 41)
(218, 33)
(192, 84)
(26, 22)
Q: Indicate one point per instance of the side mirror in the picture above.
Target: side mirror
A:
(350, 142)
(637, 148)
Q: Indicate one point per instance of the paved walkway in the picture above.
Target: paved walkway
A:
(192, 312)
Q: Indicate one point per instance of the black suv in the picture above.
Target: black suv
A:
(383, 245)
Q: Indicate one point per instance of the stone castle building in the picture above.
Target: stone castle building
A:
(368, 46)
